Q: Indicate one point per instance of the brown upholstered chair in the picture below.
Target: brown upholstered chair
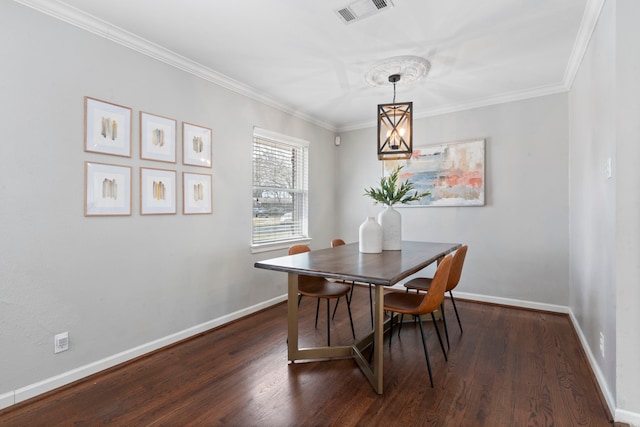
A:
(420, 304)
(424, 283)
(340, 242)
(321, 288)
(337, 242)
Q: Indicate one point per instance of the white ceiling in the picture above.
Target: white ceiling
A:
(299, 56)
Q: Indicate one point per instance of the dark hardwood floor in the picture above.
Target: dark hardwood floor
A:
(510, 367)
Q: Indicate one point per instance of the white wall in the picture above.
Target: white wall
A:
(171, 274)
(593, 195)
(605, 220)
(605, 213)
(116, 283)
(628, 210)
(518, 242)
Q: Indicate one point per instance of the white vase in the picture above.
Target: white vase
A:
(370, 236)
(391, 222)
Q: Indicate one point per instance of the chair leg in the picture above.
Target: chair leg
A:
(317, 309)
(390, 327)
(347, 297)
(299, 299)
(435, 325)
(456, 310)
(444, 322)
(400, 327)
(424, 346)
(335, 308)
(328, 323)
(371, 304)
(353, 331)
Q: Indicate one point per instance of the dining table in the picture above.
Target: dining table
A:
(347, 263)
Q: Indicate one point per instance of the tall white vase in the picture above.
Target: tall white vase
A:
(370, 236)
(391, 222)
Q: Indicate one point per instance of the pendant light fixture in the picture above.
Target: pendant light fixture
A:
(395, 127)
(395, 120)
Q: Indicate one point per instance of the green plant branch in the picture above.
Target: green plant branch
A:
(390, 193)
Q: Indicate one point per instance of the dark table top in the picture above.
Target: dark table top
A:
(347, 263)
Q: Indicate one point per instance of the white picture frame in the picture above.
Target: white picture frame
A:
(107, 189)
(158, 191)
(157, 138)
(196, 145)
(196, 193)
(107, 128)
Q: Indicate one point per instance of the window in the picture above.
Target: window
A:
(280, 191)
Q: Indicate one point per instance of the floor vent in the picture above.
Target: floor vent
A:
(361, 9)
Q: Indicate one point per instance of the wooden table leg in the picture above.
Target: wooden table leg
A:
(294, 352)
(292, 316)
(378, 337)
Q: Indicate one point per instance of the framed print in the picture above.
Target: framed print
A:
(107, 128)
(196, 193)
(196, 145)
(157, 191)
(107, 189)
(453, 172)
(157, 138)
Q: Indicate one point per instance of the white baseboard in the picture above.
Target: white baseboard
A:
(24, 393)
(632, 418)
(608, 397)
(619, 415)
(7, 399)
(513, 302)
(65, 378)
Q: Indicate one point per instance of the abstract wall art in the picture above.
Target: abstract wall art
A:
(107, 128)
(196, 145)
(453, 172)
(107, 189)
(196, 193)
(157, 191)
(157, 138)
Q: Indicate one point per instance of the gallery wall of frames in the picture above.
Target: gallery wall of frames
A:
(108, 184)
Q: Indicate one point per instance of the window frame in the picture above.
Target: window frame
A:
(283, 140)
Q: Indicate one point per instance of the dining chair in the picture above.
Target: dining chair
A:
(340, 242)
(424, 283)
(420, 304)
(321, 288)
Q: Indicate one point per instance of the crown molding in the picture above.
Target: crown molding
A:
(504, 98)
(587, 27)
(477, 103)
(76, 17)
(80, 19)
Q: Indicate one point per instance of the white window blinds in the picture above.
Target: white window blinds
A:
(280, 190)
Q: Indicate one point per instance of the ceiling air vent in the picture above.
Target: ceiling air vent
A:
(362, 9)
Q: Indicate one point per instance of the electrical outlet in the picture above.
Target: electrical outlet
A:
(602, 344)
(61, 342)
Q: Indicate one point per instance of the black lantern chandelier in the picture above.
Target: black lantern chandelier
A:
(395, 127)
(395, 121)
